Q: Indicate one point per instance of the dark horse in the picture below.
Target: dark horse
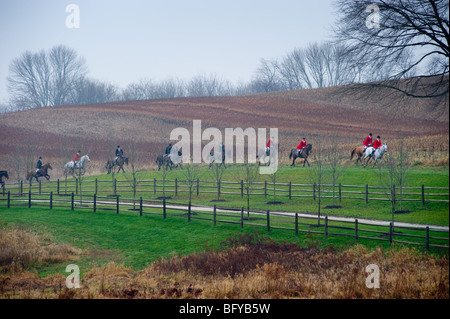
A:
(120, 161)
(3, 174)
(43, 172)
(213, 159)
(304, 154)
(164, 160)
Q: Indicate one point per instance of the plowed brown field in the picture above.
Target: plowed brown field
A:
(57, 132)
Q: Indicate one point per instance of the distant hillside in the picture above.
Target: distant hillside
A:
(378, 100)
(57, 132)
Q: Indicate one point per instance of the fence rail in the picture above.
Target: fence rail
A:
(238, 188)
(421, 236)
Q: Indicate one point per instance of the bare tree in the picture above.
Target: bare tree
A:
(191, 173)
(89, 91)
(44, 79)
(406, 37)
(267, 77)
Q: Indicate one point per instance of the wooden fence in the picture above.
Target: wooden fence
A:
(267, 189)
(325, 226)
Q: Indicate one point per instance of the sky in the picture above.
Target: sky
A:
(130, 40)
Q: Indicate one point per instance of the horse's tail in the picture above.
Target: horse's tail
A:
(290, 155)
(353, 153)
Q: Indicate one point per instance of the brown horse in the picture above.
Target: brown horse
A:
(304, 154)
(359, 151)
(43, 172)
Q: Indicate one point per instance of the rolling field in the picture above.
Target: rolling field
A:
(132, 256)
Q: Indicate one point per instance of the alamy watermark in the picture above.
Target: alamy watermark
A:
(234, 141)
(373, 19)
(73, 280)
(373, 280)
(73, 19)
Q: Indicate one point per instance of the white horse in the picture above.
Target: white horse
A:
(70, 166)
(378, 155)
(263, 157)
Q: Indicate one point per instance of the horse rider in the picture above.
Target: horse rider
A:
(76, 158)
(367, 142)
(301, 146)
(119, 154)
(168, 149)
(376, 144)
(38, 165)
(269, 145)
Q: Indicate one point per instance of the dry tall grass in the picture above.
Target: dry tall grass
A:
(20, 249)
(249, 269)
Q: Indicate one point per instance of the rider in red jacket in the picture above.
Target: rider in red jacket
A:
(376, 144)
(368, 141)
(269, 145)
(301, 146)
(76, 158)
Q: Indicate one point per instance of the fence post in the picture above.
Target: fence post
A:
(9, 199)
(367, 193)
(314, 191)
(57, 186)
(427, 239)
(96, 186)
(356, 230)
(198, 186)
(268, 220)
(265, 188)
(95, 202)
(340, 192)
(73, 196)
(242, 188)
(76, 186)
(164, 208)
(51, 200)
(242, 217)
(189, 212)
(290, 189)
(176, 186)
(393, 194)
(140, 206)
(215, 215)
(154, 186)
(115, 186)
(21, 187)
(390, 233)
(296, 224)
(423, 194)
(29, 198)
(326, 227)
(117, 204)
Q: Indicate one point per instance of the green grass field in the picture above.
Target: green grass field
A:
(436, 213)
(138, 241)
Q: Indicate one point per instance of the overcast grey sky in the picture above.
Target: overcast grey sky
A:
(124, 41)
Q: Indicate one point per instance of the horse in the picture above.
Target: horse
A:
(120, 161)
(43, 172)
(304, 154)
(3, 174)
(377, 155)
(261, 157)
(212, 158)
(70, 167)
(165, 160)
(359, 151)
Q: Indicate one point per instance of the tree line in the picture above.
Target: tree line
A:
(374, 45)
